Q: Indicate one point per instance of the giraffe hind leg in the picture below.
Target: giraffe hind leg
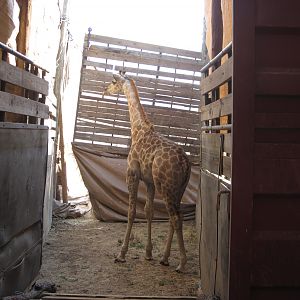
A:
(149, 216)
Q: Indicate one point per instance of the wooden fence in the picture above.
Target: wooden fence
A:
(168, 81)
(213, 210)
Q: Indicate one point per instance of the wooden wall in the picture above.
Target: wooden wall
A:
(168, 81)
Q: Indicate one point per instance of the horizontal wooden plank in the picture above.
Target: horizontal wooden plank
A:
(277, 135)
(165, 130)
(144, 58)
(144, 46)
(278, 82)
(277, 120)
(218, 77)
(93, 138)
(141, 71)
(22, 78)
(104, 148)
(192, 117)
(90, 132)
(277, 17)
(165, 93)
(276, 150)
(154, 98)
(210, 161)
(20, 105)
(114, 297)
(167, 121)
(275, 258)
(276, 176)
(275, 293)
(102, 76)
(283, 212)
(211, 142)
(216, 109)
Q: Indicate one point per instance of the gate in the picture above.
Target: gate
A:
(215, 163)
(168, 81)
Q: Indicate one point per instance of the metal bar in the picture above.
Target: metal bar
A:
(20, 55)
(217, 127)
(217, 57)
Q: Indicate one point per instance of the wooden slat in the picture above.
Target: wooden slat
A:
(275, 258)
(114, 297)
(145, 94)
(104, 148)
(277, 150)
(278, 82)
(211, 142)
(165, 130)
(276, 176)
(20, 105)
(143, 58)
(141, 71)
(102, 76)
(145, 46)
(277, 120)
(218, 77)
(221, 107)
(167, 121)
(22, 78)
(191, 116)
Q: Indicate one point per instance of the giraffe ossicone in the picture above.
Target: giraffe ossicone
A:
(160, 163)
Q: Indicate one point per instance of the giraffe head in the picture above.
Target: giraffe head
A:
(116, 86)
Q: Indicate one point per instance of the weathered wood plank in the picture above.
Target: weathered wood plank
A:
(144, 46)
(211, 142)
(278, 82)
(141, 71)
(277, 120)
(148, 91)
(276, 176)
(144, 58)
(219, 108)
(102, 76)
(208, 243)
(165, 130)
(277, 150)
(20, 105)
(218, 77)
(22, 78)
(192, 117)
(157, 120)
(158, 99)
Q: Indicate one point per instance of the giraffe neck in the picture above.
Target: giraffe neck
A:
(138, 118)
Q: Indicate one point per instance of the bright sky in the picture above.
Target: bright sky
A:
(174, 23)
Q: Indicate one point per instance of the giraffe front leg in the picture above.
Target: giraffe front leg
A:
(133, 183)
(149, 215)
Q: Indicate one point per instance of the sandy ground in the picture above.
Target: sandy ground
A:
(79, 257)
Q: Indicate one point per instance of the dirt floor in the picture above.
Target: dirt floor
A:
(79, 258)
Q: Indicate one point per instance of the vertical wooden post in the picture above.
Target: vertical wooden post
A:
(58, 92)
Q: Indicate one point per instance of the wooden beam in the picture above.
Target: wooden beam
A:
(20, 105)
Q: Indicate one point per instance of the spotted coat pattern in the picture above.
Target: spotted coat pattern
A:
(160, 163)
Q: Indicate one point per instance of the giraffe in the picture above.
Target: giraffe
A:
(160, 163)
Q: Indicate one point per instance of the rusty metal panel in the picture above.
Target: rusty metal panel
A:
(23, 159)
(265, 227)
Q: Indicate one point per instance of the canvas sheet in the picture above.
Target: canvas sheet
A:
(104, 176)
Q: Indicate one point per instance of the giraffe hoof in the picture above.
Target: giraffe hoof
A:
(120, 260)
(179, 269)
(164, 263)
(148, 257)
